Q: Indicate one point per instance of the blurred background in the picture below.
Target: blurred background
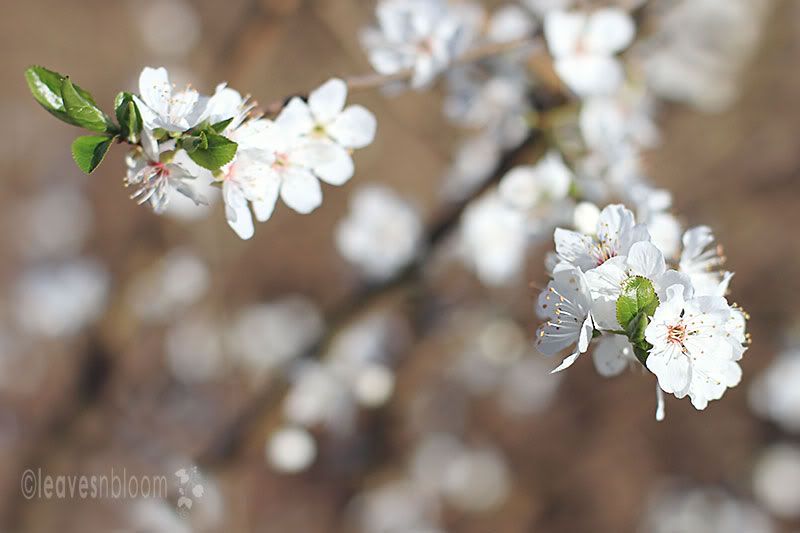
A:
(309, 401)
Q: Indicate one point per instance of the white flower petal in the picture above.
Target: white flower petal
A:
(295, 119)
(659, 404)
(353, 128)
(671, 367)
(337, 171)
(300, 190)
(611, 355)
(155, 89)
(566, 363)
(609, 30)
(645, 259)
(328, 100)
(265, 205)
(313, 154)
(237, 212)
(590, 75)
(563, 31)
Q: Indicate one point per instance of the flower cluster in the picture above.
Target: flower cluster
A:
(616, 286)
(423, 36)
(186, 142)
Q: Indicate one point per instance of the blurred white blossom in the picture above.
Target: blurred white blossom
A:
(381, 234)
(60, 299)
(701, 510)
(775, 395)
(291, 450)
(263, 337)
(168, 287)
(584, 47)
(54, 223)
(698, 51)
(776, 480)
(194, 348)
(424, 36)
(493, 239)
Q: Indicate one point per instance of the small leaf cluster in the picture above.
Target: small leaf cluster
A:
(635, 306)
(71, 104)
(207, 147)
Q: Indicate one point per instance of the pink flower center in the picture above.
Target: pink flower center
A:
(603, 251)
(159, 169)
(425, 46)
(676, 333)
(230, 173)
(281, 160)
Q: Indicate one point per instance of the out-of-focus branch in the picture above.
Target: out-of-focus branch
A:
(237, 432)
(373, 80)
(363, 82)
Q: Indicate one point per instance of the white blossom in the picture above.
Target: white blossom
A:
(476, 480)
(349, 127)
(615, 233)
(584, 47)
(776, 480)
(228, 104)
(194, 349)
(509, 23)
(690, 353)
(699, 49)
(54, 223)
(492, 98)
(473, 162)
(166, 289)
(422, 35)
(163, 107)
(381, 234)
(612, 354)
(291, 450)
(585, 217)
(154, 179)
(262, 337)
(533, 188)
(493, 239)
(60, 299)
(674, 508)
(607, 281)
(701, 261)
(775, 395)
(566, 303)
(296, 162)
(244, 181)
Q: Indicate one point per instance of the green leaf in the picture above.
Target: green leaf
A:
(82, 110)
(45, 86)
(635, 332)
(635, 305)
(190, 143)
(220, 126)
(88, 151)
(128, 116)
(638, 295)
(213, 151)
